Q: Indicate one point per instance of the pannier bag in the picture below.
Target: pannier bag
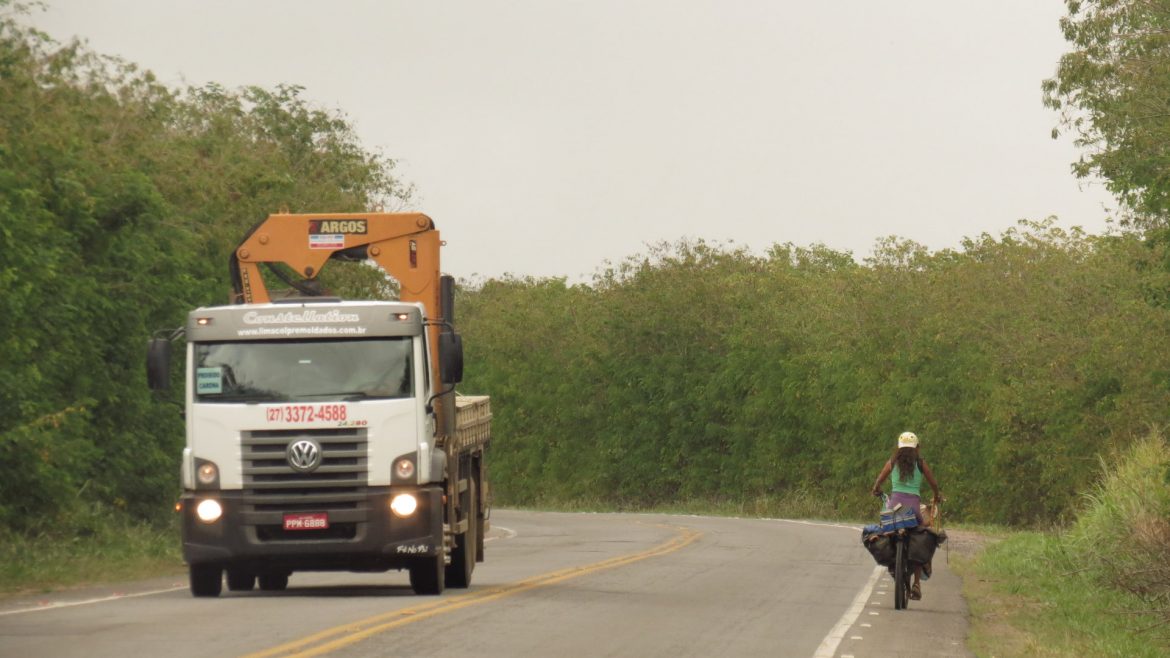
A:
(879, 545)
(923, 542)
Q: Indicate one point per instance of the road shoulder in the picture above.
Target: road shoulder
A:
(936, 625)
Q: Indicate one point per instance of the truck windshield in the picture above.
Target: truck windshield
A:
(304, 370)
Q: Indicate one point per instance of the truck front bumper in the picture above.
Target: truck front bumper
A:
(369, 538)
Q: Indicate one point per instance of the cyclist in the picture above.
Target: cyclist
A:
(906, 486)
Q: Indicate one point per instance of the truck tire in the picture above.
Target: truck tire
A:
(206, 580)
(240, 581)
(274, 582)
(463, 557)
(427, 575)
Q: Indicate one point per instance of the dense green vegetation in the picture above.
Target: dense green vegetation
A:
(1122, 538)
(1099, 588)
(120, 200)
(99, 546)
(708, 373)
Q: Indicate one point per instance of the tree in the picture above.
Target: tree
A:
(1113, 94)
(120, 199)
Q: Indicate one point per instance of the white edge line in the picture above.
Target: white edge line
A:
(822, 524)
(70, 604)
(508, 533)
(833, 639)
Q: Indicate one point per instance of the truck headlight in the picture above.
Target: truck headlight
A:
(207, 473)
(403, 505)
(404, 469)
(209, 511)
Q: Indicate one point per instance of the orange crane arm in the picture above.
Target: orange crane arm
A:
(405, 245)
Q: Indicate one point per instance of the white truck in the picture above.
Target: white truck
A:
(325, 434)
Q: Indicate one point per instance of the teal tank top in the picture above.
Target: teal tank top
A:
(912, 486)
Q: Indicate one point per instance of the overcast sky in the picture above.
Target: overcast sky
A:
(547, 136)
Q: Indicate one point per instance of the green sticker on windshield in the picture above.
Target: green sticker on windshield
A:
(209, 381)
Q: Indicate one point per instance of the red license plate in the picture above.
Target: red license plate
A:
(315, 521)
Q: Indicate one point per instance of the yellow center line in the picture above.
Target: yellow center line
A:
(353, 632)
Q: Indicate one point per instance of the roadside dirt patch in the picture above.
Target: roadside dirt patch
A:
(966, 543)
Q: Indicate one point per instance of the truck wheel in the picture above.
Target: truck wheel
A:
(463, 557)
(206, 580)
(273, 582)
(240, 581)
(427, 575)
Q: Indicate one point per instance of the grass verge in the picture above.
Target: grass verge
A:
(1028, 598)
(1098, 588)
(102, 547)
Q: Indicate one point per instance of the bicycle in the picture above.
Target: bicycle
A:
(889, 543)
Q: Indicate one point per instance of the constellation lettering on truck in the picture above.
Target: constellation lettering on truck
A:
(309, 316)
(416, 549)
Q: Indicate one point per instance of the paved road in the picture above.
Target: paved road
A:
(554, 585)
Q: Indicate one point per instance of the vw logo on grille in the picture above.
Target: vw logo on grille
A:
(304, 455)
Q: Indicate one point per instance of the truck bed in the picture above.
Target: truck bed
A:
(473, 421)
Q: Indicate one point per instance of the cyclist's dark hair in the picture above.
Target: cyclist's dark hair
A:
(904, 461)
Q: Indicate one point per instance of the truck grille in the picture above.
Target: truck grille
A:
(272, 488)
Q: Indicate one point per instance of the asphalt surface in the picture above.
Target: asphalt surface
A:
(553, 585)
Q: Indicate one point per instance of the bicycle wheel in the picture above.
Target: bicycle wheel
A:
(901, 575)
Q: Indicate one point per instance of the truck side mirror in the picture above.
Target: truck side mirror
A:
(158, 364)
(450, 358)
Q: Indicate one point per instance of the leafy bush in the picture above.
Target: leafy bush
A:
(1099, 588)
(1123, 534)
